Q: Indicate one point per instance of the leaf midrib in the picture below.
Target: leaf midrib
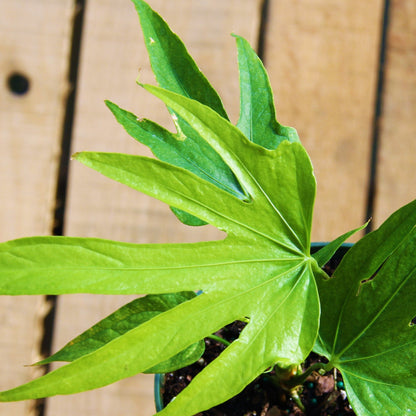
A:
(374, 319)
(260, 189)
(257, 286)
(184, 156)
(371, 380)
(180, 84)
(381, 353)
(243, 175)
(217, 213)
(274, 240)
(184, 267)
(281, 303)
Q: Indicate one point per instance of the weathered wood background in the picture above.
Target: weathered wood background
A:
(343, 72)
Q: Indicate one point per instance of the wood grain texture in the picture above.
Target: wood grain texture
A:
(112, 54)
(34, 41)
(322, 57)
(396, 184)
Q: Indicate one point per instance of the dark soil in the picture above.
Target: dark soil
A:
(321, 395)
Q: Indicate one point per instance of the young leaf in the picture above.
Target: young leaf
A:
(176, 71)
(257, 114)
(366, 324)
(327, 251)
(262, 270)
(123, 320)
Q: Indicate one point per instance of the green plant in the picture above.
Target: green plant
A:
(255, 182)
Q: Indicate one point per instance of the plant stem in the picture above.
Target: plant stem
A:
(219, 339)
(297, 400)
(299, 379)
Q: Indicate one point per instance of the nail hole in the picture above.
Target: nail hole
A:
(18, 83)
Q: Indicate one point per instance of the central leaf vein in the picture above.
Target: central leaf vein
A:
(377, 315)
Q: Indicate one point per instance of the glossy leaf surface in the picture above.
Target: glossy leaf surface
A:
(257, 114)
(176, 71)
(323, 255)
(258, 189)
(262, 270)
(196, 157)
(123, 320)
(174, 68)
(366, 324)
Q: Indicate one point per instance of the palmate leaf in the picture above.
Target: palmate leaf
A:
(262, 271)
(176, 71)
(123, 320)
(367, 311)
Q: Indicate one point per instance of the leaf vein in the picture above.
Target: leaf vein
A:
(378, 314)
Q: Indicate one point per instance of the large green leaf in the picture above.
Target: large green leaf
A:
(176, 71)
(123, 320)
(262, 173)
(260, 190)
(257, 114)
(262, 270)
(367, 311)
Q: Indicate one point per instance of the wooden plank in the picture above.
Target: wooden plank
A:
(34, 41)
(322, 56)
(396, 180)
(112, 52)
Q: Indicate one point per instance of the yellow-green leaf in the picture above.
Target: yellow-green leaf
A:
(367, 312)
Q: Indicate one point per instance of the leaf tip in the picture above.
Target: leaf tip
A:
(80, 156)
(75, 156)
(139, 73)
(39, 363)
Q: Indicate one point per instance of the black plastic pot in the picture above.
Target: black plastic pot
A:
(159, 378)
